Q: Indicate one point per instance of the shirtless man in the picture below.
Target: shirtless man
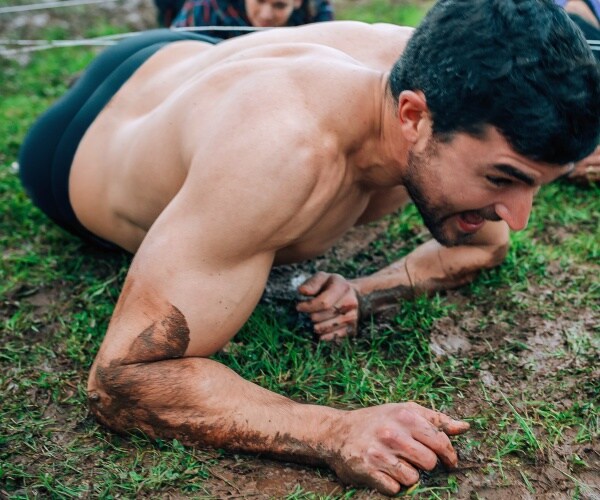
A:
(214, 163)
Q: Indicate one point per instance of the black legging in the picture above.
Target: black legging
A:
(49, 148)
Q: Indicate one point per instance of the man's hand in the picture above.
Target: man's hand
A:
(384, 446)
(587, 171)
(334, 310)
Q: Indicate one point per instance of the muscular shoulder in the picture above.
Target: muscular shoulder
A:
(272, 142)
(375, 45)
(290, 96)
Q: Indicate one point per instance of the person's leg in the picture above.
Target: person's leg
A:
(49, 148)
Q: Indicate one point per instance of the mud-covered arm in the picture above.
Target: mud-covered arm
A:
(432, 267)
(337, 304)
(189, 290)
(193, 283)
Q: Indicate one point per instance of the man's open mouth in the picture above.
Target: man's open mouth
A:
(469, 222)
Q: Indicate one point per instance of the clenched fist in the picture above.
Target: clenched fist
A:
(334, 308)
(384, 447)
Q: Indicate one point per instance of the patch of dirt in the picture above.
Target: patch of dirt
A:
(266, 479)
(284, 280)
(520, 364)
(514, 361)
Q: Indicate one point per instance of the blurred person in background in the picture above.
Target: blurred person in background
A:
(241, 13)
(167, 10)
(586, 15)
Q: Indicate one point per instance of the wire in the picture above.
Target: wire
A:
(54, 44)
(49, 5)
(221, 28)
(27, 46)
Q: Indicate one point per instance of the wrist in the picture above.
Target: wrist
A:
(330, 435)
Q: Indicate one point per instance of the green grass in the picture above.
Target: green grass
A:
(377, 11)
(57, 295)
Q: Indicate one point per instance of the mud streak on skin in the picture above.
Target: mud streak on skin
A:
(164, 339)
(149, 391)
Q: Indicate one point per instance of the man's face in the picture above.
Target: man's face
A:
(264, 13)
(458, 185)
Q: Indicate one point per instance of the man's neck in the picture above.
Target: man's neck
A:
(382, 161)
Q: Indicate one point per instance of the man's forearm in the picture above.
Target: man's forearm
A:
(201, 402)
(429, 268)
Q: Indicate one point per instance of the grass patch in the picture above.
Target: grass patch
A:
(529, 385)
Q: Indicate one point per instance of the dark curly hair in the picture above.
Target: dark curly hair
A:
(521, 66)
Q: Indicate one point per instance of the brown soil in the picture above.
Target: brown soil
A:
(478, 476)
(544, 351)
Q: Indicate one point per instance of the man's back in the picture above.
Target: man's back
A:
(186, 101)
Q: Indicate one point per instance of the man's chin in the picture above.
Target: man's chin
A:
(443, 237)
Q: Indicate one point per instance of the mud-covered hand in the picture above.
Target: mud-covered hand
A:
(334, 306)
(383, 447)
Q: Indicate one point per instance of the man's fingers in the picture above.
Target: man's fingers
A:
(438, 442)
(313, 285)
(409, 448)
(320, 316)
(324, 301)
(338, 334)
(456, 427)
(383, 483)
(431, 428)
(403, 472)
(442, 421)
(339, 322)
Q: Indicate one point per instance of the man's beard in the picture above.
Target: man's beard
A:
(433, 216)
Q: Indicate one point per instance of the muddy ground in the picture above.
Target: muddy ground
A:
(459, 334)
(550, 475)
(236, 476)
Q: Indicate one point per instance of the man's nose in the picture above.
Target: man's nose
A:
(266, 13)
(516, 208)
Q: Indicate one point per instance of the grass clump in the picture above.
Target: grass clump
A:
(527, 383)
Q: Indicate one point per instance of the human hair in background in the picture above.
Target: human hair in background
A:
(245, 13)
(494, 62)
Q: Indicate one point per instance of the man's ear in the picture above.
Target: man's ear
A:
(297, 4)
(412, 111)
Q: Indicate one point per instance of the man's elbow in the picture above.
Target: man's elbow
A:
(499, 253)
(498, 249)
(494, 240)
(111, 397)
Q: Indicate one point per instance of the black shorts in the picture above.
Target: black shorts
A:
(48, 150)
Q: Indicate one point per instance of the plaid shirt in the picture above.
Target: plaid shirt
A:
(233, 13)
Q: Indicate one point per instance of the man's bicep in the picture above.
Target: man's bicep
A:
(184, 295)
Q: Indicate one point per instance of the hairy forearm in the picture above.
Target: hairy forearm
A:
(429, 268)
(201, 402)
